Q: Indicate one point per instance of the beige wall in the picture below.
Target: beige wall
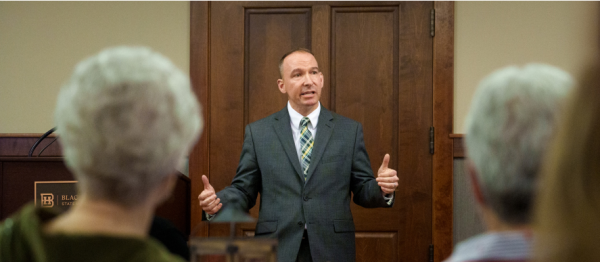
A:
(490, 35)
(40, 42)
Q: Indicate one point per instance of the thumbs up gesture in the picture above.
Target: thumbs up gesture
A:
(208, 198)
(386, 177)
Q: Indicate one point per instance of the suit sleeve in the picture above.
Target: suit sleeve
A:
(246, 184)
(367, 192)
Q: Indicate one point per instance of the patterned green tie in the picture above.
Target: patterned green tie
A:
(306, 144)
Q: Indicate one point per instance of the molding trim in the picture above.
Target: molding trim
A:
(458, 147)
(443, 103)
(200, 76)
(24, 135)
(19, 145)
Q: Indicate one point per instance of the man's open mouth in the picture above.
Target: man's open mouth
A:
(308, 93)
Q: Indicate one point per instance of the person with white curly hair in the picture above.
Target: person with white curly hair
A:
(509, 125)
(126, 118)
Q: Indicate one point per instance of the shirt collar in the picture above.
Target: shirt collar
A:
(295, 117)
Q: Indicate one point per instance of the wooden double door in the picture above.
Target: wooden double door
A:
(377, 63)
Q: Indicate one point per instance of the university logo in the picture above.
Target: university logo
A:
(47, 200)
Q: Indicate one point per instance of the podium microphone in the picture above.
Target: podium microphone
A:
(40, 140)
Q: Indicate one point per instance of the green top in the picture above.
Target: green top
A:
(22, 239)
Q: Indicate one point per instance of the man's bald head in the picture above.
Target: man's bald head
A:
(303, 50)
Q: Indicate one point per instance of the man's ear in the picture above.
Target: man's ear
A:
(281, 86)
(321, 76)
(475, 185)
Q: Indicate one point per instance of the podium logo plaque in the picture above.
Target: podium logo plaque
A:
(47, 200)
(55, 194)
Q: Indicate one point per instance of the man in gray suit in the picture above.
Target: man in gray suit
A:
(305, 161)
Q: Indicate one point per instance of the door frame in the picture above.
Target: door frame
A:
(443, 99)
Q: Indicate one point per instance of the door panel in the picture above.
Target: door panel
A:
(364, 87)
(376, 246)
(270, 33)
(364, 83)
(376, 59)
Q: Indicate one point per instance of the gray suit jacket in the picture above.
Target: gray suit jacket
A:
(339, 166)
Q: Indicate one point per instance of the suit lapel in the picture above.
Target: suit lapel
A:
(284, 132)
(324, 130)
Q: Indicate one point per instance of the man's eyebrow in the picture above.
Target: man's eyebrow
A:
(296, 70)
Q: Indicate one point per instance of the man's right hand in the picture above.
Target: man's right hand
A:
(208, 198)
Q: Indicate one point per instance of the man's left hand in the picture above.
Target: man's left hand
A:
(386, 177)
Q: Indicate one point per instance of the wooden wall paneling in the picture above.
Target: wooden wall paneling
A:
(415, 119)
(467, 220)
(443, 91)
(377, 244)
(226, 95)
(199, 163)
(394, 103)
(320, 46)
(458, 147)
(364, 88)
(364, 83)
(269, 33)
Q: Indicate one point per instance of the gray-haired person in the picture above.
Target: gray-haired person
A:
(126, 118)
(509, 125)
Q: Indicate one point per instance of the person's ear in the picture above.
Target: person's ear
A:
(321, 77)
(281, 86)
(475, 185)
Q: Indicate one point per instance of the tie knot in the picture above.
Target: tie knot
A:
(304, 122)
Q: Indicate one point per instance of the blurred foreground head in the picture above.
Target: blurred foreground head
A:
(127, 117)
(510, 122)
(568, 207)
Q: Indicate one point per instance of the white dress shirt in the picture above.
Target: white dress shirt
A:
(295, 119)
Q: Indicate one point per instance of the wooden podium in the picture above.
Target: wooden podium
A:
(19, 174)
